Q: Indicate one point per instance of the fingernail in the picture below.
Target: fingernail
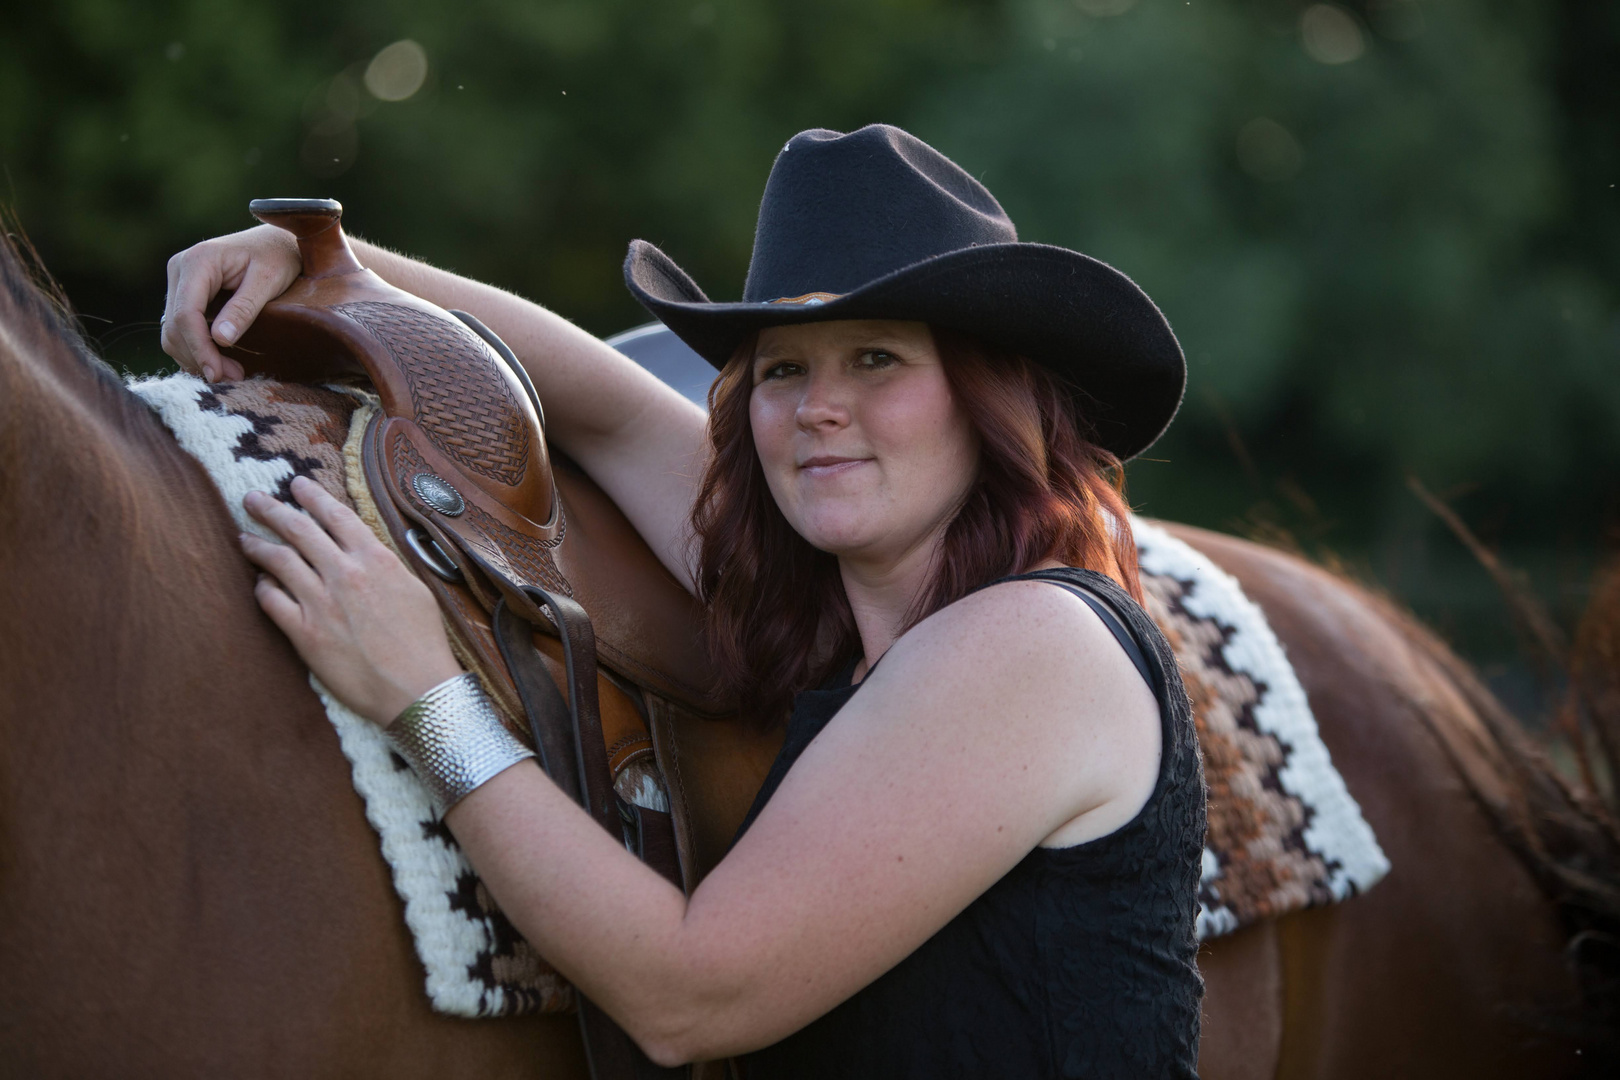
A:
(225, 332)
(208, 373)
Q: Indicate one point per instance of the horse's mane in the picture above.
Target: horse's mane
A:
(34, 294)
(37, 320)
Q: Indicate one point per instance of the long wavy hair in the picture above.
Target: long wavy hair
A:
(777, 618)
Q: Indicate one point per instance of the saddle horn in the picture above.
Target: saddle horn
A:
(316, 223)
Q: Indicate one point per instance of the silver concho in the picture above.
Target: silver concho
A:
(437, 493)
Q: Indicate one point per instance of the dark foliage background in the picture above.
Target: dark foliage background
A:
(1387, 231)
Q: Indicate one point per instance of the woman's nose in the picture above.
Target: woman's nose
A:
(825, 402)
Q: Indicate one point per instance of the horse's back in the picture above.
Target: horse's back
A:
(1453, 965)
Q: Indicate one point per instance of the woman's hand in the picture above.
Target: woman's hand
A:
(258, 263)
(367, 628)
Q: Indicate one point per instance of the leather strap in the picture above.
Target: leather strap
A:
(568, 736)
(590, 750)
(550, 723)
(654, 841)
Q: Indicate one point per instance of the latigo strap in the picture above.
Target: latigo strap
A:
(569, 735)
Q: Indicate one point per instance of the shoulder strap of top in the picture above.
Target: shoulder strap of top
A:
(1105, 611)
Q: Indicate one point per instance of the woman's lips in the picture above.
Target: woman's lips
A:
(829, 465)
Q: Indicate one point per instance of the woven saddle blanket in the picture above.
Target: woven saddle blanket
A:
(1284, 831)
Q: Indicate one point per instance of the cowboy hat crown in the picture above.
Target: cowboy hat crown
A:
(842, 210)
(877, 224)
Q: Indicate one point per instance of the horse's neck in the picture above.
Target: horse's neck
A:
(93, 482)
(120, 577)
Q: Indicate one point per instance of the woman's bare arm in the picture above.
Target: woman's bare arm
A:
(1009, 719)
(1002, 723)
(637, 438)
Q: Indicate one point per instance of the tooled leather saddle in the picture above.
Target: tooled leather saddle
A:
(537, 572)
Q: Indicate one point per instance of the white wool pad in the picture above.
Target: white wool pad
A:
(1335, 832)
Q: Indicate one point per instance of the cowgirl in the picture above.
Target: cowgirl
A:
(978, 852)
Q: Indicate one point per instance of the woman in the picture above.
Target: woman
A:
(978, 852)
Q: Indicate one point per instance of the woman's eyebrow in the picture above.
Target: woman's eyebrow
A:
(852, 344)
(765, 362)
(898, 346)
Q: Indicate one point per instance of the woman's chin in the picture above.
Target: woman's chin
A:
(840, 545)
(838, 537)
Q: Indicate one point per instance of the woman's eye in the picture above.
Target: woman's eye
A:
(778, 371)
(876, 359)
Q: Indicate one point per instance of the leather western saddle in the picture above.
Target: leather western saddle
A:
(537, 572)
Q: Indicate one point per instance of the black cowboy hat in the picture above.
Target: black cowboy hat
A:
(877, 224)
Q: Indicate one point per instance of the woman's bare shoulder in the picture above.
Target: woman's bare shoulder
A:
(1014, 628)
(1030, 676)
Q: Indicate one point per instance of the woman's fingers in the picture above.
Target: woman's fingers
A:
(359, 618)
(343, 524)
(302, 533)
(194, 278)
(261, 283)
(288, 566)
(282, 608)
(257, 263)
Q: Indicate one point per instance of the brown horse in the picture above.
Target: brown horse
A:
(188, 885)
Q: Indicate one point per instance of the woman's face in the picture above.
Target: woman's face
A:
(863, 444)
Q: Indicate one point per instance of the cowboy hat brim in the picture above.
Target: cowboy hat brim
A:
(1078, 317)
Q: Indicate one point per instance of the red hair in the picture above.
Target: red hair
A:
(777, 617)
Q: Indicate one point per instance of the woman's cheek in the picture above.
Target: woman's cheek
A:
(772, 426)
(916, 420)
(931, 450)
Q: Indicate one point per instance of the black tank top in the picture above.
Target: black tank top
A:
(1079, 962)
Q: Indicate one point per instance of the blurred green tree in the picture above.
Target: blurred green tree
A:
(1387, 231)
(544, 136)
(1353, 238)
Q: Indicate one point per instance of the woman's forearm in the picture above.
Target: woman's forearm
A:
(608, 922)
(595, 390)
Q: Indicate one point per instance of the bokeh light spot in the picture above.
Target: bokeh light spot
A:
(1268, 151)
(1331, 34)
(397, 71)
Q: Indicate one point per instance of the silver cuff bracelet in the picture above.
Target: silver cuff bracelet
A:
(454, 741)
